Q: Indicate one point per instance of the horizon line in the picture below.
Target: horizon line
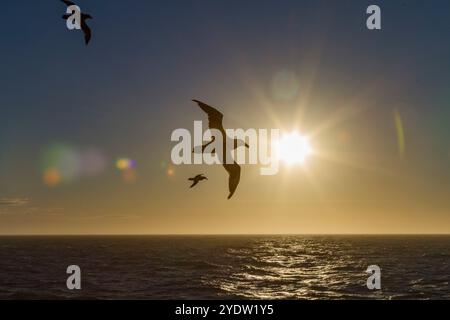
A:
(216, 234)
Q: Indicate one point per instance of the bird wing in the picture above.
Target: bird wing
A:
(234, 170)
(68, 3)
(194, 184)
(214, 116)
(87, 32)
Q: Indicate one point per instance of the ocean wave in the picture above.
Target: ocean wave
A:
(285, 267)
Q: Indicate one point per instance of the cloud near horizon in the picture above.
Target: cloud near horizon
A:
(14, 201)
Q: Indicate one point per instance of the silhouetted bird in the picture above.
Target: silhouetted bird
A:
(84, 27)
(197, 179)
(215, 122)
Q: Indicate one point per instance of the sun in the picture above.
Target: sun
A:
(293, 148)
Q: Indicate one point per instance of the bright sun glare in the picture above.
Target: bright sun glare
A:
(293, 148)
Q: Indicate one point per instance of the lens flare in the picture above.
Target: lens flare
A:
(285, 85)
(62, 163)
(125, 163)
(400, 133)
(52, 177)
(127, 167)
(93, 162)
(129, 175)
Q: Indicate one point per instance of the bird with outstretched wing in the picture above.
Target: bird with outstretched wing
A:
(215, 118)
(84, 27)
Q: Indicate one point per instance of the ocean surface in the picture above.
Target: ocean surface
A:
(225, 267)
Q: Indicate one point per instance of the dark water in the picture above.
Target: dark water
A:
(215, 267)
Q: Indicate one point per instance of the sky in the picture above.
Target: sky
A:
(374, 104)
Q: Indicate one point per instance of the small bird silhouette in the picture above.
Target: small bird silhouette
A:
(84, 27)
(215, 122)
(197, 179)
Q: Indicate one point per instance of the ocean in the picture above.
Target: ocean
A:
(225, 267)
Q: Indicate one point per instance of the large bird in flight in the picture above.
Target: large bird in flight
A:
(215, 122)
(84, 27)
